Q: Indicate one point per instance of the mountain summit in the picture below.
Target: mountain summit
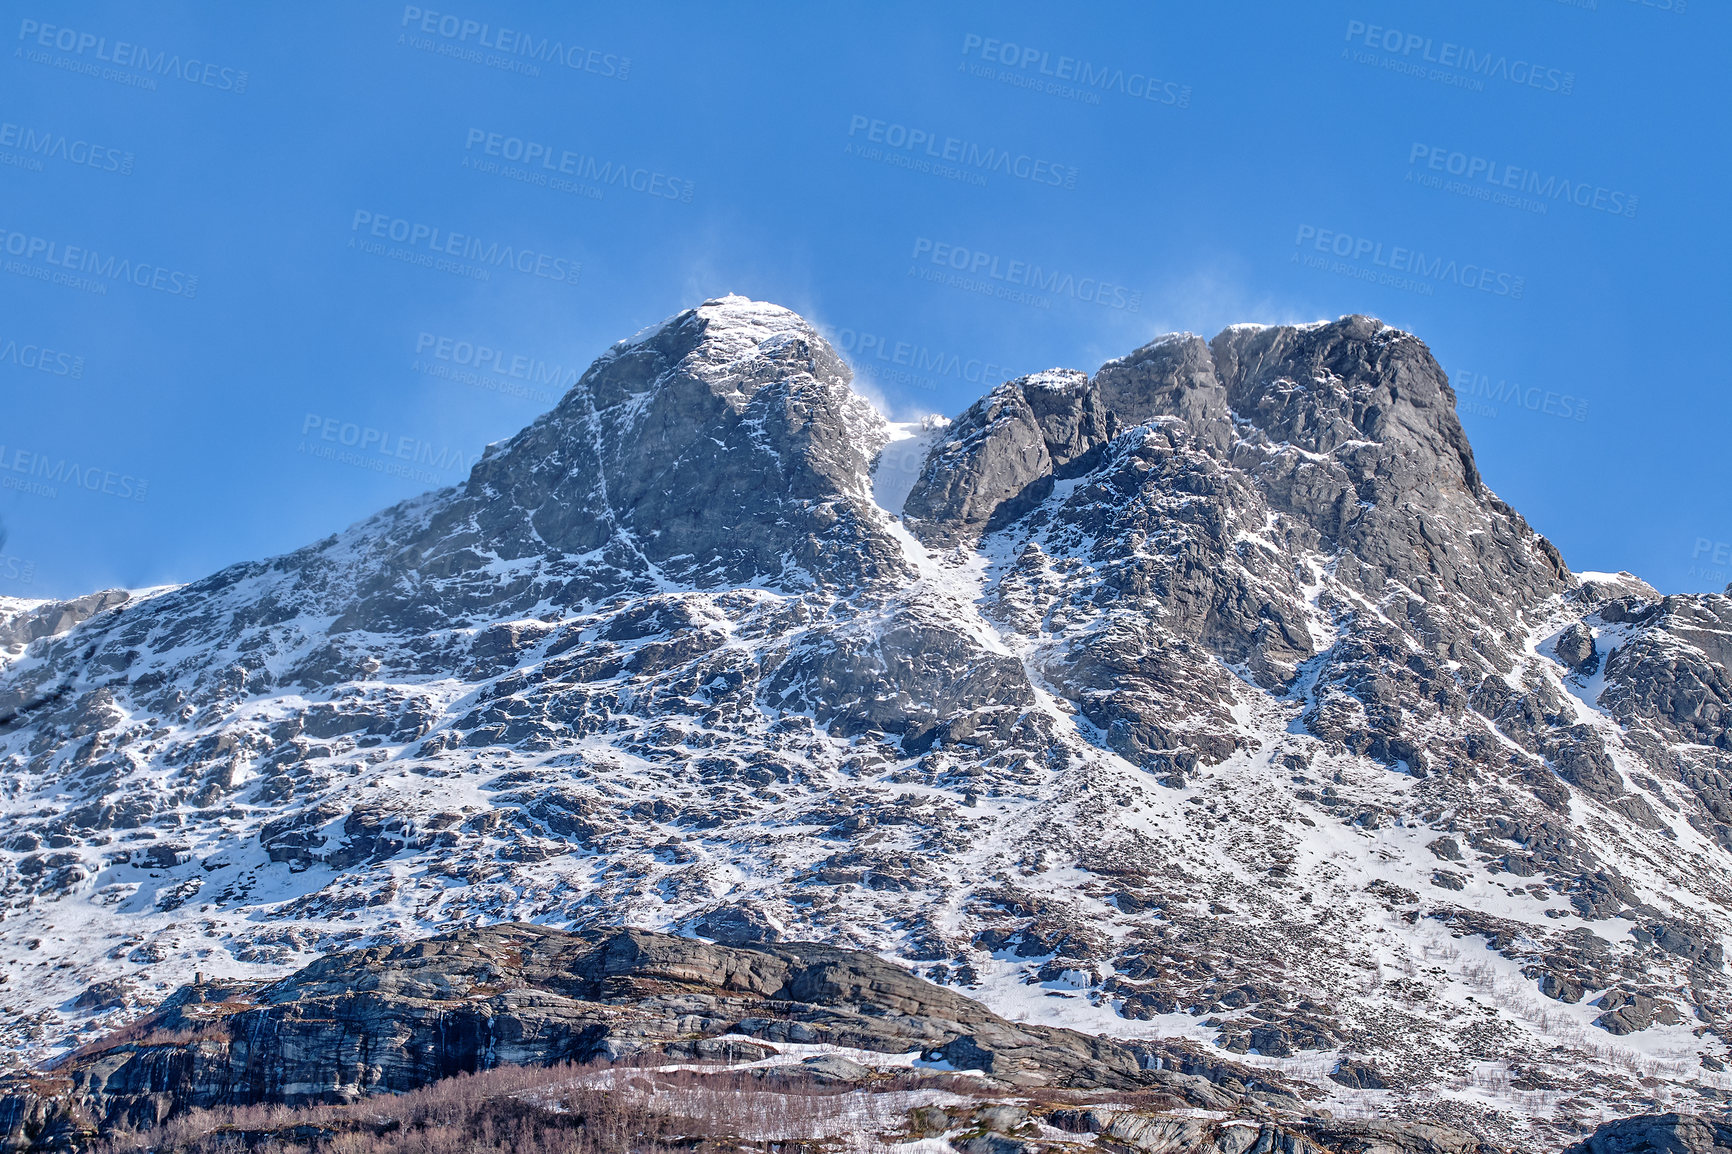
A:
(1212, 696)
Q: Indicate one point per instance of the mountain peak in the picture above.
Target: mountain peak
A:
(721, 446)
(1212, 693)
(718, 341)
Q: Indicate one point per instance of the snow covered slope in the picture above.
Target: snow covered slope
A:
(1211, 695)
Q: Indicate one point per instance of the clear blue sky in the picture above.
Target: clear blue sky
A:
(1537, 188)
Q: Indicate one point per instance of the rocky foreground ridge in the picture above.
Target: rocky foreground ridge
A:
(392, 1020)
(1212, 696)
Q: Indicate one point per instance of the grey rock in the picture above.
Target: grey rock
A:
(1090, 1120)
(1141, 1132)
(1357, 1075)
(1575, 648)
(737, 926)
(1637, 608)
(115, 994)
(390, 1019)
(56, 617)
(1002, 1119)
(1000, 457)
(1627, 1013)
(995, 1144)
(1563, 987)
(834, 1068)
(1672, 676)
(1172, 1135)
(1395, 1137)
(1658, 1134)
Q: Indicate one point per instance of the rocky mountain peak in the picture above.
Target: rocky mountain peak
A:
(1338, 441)
(1210, 695)
(675, 439)
(1353, 388)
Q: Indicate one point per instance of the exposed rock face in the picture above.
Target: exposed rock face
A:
(1575, 648)
(1658, 1134)
(1339, 439)
(1193, 1135)
(1003, 454)
(22, 622)
(1212, 694)
(393, 1019)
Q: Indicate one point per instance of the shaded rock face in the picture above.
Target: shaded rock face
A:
(1003, 454)
(1668, 680)
(723, 448)
(1194, 1135)
(1575, 648)
(1626, 1013)
(1339, 438)
(31, 621)
(1658, 1134)
(1214, 688)
(1357, 1076)
(393, 1019)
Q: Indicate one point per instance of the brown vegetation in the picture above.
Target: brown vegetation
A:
(145, 1033)
(619, 1109)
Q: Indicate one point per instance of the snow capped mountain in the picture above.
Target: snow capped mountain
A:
(1210, 696)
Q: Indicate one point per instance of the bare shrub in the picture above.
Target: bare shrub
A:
(624, 1108)
(145, 1033)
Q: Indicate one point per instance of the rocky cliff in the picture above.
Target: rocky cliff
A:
(848, 1046)
(1211, 696)
(394, 1019)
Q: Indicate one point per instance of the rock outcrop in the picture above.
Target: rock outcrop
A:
(1658, 1134)
(389, 1020)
